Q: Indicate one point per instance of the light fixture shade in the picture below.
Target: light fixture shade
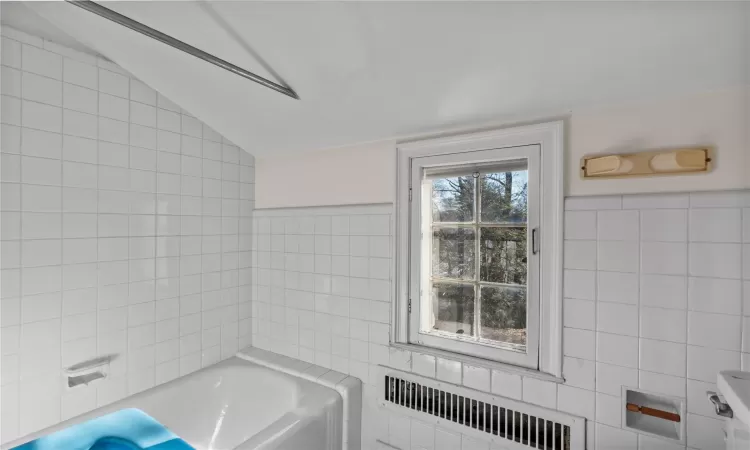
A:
(663, 162)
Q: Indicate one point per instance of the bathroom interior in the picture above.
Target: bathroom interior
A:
(375, 225)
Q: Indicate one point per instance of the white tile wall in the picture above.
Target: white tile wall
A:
(125, 231)
(669, 318)
(633, 313)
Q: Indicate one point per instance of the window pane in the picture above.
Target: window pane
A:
(453, 252)
(453, 308)
(503, 255)
(504, 196)
(504, 314)
(453, 199)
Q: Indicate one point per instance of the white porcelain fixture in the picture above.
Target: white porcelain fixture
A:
(236, 404)
(734, 386)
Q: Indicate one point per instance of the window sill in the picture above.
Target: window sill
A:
(479, 362)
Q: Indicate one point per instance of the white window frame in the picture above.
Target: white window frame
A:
(549, 137)
(420, 286)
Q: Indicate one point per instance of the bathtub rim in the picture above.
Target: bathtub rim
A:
(349, 387)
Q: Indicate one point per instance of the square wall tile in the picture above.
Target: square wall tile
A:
(580, 225)
(714, 330)
(579, 343)
(715, 260)
(664, 291)
(449, 371)
(579, 284)
(715, 295)
(664, 258)
(580, 255)
(617, 318)
(617, 225)
(42, 62)
(40, 143)
(539, 392)
(617, 287)
(662, 357)
(579, 373)
(507, 384)
(580, 402)
(41, 89)
(579, 314)
(608, 410)
(663, 324)
(716, 225)
(610, 378)
(664, 225)
(476, 377)
(423, 364)
(617, 256)
(617, 349)
(80, 73)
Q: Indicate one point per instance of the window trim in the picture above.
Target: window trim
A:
(549, 136)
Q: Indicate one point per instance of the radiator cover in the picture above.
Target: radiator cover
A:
(509, 423)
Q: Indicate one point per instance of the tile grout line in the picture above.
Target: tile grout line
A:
(179, 260)
(98, 395)
(596, 316)
(743, 261)
(687, 311)
(128, 375)
(62, 239)
(687, 314)
(20, 253)
(202, 233)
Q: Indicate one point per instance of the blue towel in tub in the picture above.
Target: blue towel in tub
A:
(127, 429)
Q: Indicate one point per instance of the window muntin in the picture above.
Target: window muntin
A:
(477, 283)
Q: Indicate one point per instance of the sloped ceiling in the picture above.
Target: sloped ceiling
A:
(369, 71)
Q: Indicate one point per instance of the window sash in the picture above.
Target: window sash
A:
(420, 274)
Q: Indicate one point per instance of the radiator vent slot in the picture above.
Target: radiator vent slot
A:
(512, 423)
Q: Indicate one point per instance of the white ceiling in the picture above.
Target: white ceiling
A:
(378, 70)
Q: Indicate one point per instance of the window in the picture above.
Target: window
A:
(471, 262)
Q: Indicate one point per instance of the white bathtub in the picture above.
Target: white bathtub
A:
(236, 404)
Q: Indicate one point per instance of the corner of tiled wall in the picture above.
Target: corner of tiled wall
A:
(126, 230)
(322, 289)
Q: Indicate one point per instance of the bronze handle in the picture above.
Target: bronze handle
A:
(653, 412)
